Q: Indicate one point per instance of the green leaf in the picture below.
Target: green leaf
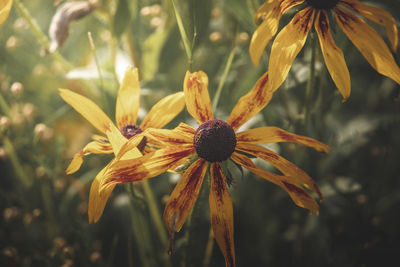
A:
(122, 17)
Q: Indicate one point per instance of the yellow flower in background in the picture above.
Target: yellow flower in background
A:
(292, 37)
(127, 109)
(214, 142)
(5, 8)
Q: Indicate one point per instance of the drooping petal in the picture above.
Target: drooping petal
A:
(251, 103)
(97, 199)
(95, 147)
(369, 43)
(87, 108)
(144, 167)
(184, 196)
(164, 111)
(5, 7)
(333, 56)
(378, 16)
(128, 99)
(299, 196)
(165, 137)
(197, 98)
(283, 165)
(118, 141)
(287, 44)
(265, 135)
(272, 11)
(221, 214)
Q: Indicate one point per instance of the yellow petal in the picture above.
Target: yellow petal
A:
(147, 166)
(287, 44)
(87, 108)
(272, 11)
(128, 100)
(333, 56)
(165, 137)
(164, 111)
(299, 196)
(97, 199)
(197, 98)
(251, 103)
(378, 16)
(5, 7)
(283, 165)
(96, 147)
(264, 135)
(369, 43)
(184, 196)
(221, 214)
(117, 141)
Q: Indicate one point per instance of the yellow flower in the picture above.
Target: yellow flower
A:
(213, 142)
(127, 108)
(5, 7)
(292, 37)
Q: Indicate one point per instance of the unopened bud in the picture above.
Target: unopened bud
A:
(3, 153)
(215, 37)
(17, 88)
(12, 43)
(4, 122)
(244, 37)
(28, 110)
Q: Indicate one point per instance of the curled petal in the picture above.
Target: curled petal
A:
(265, 135)
(118, 141)
(184, 196)
(369, 43)
(164, 111)
(5, 7)
(333, 56)
(197, 98)
(221, 214)
(128, 99)
(378, 16)
(287, 44)
(87, 108)
(251, 103)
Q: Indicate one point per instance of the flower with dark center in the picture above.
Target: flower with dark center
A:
(116, 139)
(204, 149)
(291, 39)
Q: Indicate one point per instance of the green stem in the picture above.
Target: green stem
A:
(4, 106)
(42, 38)
(311, 80)
(209, 248)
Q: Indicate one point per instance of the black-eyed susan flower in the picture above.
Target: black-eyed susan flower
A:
(5, 7)
(127, 109)
(213, 142)
(292, 37)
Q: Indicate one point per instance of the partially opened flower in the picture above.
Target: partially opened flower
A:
(292, 37)
(5, 8)
(127, 108)
(213, 142)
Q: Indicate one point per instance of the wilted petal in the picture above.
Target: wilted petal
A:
(333, 56)
(87, 108)
(369, 43)
(184, 196)
(251, 103)
(287, 44)
(164, 111)
(197, 98)
(221, 214)
(376, 15)
(265, 135)
(128, 99)
(5, 7)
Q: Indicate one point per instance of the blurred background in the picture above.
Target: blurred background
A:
(43, 219)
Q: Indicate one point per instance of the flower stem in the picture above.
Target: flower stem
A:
(42, 38)
(311, 80)
(209, 248)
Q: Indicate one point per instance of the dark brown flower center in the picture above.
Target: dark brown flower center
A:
(214, 140)
(323, 4)
(131, 130)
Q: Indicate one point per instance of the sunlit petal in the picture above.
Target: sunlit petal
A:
(376, 15)
(118, 141)
(164, 111)
(128, 100)
(165, 137)
(369, 43)
(5, 7)
(287, 44)
(197, 98)
(251, 103)
(264, 135)
(184, 196)
(87, 108)
(333, 56)
(221, 214)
